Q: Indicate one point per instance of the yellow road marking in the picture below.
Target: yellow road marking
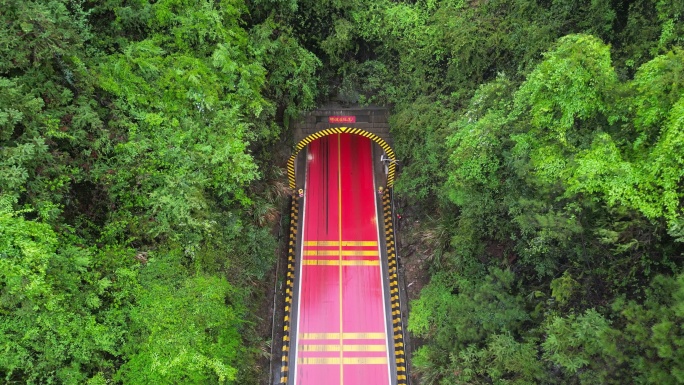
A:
(342, 361)
(327, 262)
(339, 227)
(345, 336)
(368, 253)
(343, 243)
(346, 348)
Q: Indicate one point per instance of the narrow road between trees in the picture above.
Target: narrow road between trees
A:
(340, 333)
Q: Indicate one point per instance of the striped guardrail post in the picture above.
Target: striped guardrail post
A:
(397, 328)
(289, 289)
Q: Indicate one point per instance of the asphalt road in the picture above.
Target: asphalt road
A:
(341, 332)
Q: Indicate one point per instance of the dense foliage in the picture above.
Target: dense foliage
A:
(136, 192)
(541, 146)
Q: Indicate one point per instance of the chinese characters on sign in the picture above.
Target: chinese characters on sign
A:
(341, 119)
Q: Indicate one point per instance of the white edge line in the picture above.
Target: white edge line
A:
(299, 294)
(382, 278)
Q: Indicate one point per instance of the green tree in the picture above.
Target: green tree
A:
(182, 331)
(61, 318)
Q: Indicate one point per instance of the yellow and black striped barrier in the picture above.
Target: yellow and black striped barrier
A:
(399, 353)
(341, 130)
(289, 288)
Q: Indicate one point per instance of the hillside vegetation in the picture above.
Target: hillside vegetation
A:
(542, 153)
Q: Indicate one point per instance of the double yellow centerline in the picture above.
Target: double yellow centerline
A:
(339, 227)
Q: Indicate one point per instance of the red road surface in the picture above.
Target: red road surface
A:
(341, 334)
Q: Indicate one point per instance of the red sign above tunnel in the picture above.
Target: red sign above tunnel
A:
(342, 119)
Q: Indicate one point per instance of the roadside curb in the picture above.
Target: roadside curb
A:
(289, 288)
(398, 329)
